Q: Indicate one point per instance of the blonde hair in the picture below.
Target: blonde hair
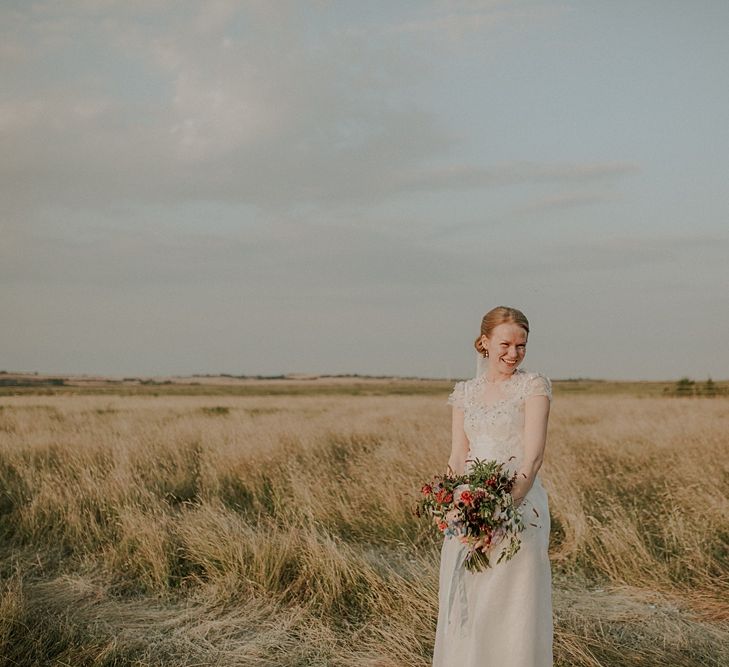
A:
(496, 316)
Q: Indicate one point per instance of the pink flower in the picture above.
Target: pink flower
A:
(483, 543)
(452, 515)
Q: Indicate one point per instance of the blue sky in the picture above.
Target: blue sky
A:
(267, 187)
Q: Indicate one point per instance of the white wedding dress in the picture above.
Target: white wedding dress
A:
(500, 617)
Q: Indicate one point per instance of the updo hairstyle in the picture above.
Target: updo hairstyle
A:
(496, 316)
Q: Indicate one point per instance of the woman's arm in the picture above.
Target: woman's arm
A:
(536, 415)
(459, 443)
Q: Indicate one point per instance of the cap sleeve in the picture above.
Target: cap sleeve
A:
(457, 397)
(539, 385)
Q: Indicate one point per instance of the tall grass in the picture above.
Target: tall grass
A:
(214, 530)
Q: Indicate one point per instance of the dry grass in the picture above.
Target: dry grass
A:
(276, 530)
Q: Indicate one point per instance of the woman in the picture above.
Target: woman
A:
(501, 616)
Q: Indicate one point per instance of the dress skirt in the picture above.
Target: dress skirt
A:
(502, 616)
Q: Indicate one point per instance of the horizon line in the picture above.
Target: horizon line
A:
(308, 376)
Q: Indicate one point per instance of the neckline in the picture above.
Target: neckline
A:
(517, 371)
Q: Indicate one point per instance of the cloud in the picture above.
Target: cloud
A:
(454, 21)
(206, 105)
(621, 252)
(561, 201)
(225, 113)
(465, 176)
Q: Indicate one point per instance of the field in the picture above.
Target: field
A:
(270, 524)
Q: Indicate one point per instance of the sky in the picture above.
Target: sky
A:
(348, 187)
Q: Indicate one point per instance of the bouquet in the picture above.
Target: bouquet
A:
(477, 508)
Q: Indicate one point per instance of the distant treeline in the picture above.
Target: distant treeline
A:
(683, 387)
(31, 382)
(687, 387)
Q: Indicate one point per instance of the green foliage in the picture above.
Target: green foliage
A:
(709, 388)
(685, 387)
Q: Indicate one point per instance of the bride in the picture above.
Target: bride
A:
(501, 616)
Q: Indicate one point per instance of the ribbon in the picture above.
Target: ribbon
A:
(457, 608)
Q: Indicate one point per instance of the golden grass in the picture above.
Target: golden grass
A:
(277, 530)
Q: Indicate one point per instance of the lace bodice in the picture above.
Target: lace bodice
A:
(494, 413)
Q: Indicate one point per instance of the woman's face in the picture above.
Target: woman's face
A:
(506, 347)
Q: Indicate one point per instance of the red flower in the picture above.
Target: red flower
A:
(442, 525)
(444, 496)
(467, 497)
(427, 489)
